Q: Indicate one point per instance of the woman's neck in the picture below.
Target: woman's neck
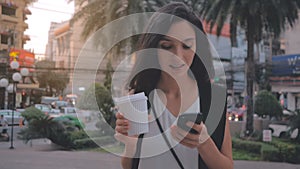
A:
(171, 86)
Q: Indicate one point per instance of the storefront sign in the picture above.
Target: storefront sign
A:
(286, 65)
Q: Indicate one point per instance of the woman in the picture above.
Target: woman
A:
(180, 82)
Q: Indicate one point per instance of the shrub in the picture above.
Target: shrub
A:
(267, 104)
(249, 146)
(270, 153)
(60, 132)
(288, 152)
(277, 150)
(46, 127)
(41, 127)
(84, 143)
(104, 102)
(32, 113)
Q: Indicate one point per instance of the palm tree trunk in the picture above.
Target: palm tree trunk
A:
(250, 75)
(233, 29)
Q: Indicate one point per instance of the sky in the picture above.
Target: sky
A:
(43, 13)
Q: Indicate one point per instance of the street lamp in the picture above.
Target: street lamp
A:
(3, 82)
(12, 88)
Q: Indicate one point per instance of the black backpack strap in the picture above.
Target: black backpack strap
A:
(136, 159)
(167, 141)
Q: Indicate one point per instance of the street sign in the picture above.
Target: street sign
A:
(267, 135)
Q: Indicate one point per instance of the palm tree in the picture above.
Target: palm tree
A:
(97, 13)
(255, 16)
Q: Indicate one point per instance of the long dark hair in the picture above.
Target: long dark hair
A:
(145, 80)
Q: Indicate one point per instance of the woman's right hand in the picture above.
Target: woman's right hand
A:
(122, 124)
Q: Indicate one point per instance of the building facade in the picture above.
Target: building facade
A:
(64, 46)
(285, 78)
(13, 14)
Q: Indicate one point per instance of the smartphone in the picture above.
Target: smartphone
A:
(193, 117)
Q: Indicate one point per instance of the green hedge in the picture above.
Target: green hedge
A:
(84, 143)
(249, 146)
(277, 150)
(288, 152)
(270, 153)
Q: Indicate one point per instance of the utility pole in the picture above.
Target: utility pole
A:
(10, 42)
(3, 74)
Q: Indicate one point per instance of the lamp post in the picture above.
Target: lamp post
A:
(12, 88)
(3, 84)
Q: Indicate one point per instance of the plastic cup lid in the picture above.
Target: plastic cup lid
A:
(134, 97)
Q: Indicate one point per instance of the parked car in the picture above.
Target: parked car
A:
(68, 110)
(8, 115)
(60, 104)
(47, 110)
(280, 129)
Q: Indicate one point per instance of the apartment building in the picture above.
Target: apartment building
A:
(13, 14)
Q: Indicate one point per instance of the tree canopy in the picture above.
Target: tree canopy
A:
(104, 101)
(50, 79)
(267, 104)
(255, 17)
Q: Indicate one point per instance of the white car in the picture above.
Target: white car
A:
(47, 110)
(280, 129)
(69, 110)
(8, 115)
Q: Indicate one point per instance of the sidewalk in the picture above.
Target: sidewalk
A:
(42, 155)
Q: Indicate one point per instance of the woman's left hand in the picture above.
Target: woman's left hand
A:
(188, 139)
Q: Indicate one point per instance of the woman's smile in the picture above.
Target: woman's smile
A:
(176, 66)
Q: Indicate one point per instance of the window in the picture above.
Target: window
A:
(10, 11)
(4, 39)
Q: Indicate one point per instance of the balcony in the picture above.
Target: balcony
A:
(12, 19)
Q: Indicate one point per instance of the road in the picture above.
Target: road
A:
(41, 154)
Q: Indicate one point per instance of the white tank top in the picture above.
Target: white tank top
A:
(155, 153)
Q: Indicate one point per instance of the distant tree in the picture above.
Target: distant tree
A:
(50, 79)
(59, 82)
(104, 101)
(97, 13)
(108, 75)
(255, 17)
(267, 104)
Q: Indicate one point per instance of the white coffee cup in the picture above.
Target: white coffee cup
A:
(134, 108)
